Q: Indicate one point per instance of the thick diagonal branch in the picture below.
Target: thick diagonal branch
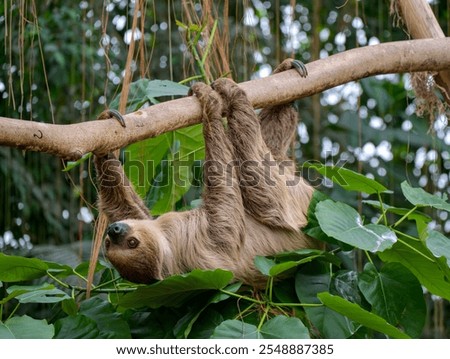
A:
(72, 141)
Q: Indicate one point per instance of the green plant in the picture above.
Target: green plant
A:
(309, 293)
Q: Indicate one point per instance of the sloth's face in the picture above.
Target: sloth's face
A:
(134, 247)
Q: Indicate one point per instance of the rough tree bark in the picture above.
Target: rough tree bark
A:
(73, 141)
(422, 24)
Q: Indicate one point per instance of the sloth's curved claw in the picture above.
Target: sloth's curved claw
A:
(109, 113)
(300, 67)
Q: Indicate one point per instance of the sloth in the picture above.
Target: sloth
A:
(252, 202)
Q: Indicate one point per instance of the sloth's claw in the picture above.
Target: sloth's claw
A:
(300, 67)
(112, 113)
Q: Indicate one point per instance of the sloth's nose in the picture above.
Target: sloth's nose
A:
(117, 230)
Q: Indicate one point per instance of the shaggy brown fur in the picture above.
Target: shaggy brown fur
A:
(253, 204)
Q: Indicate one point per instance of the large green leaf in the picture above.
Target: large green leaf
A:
(330, 324)
(161, 168)
(187, 146)
(279, 327)
(282, 327)
(161, 88)
(145, 90)
(169, 180)
(439, 245)
(312, 228)
(348, 179)
(432, 273)
(396, 295)
(418, 197)
(235, 329)
(176, 290)
(17, 269)
(76, 327)
(141, 160)
(26, 327)
(96, 318)
(109, 322)
(43, 293)
(185, 324)
(154, 324)
(344, 223)
(358, 314)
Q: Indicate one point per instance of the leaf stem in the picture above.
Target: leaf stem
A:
(404, 217)
(307, 305)
(14, 311)
(383, 212)
(263, 318)
(243, 297)
(406, 235)
(415, 250)
(61, 283)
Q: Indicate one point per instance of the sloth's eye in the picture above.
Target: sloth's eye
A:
(132, 243)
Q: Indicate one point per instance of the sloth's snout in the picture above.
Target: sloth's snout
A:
(117, 231)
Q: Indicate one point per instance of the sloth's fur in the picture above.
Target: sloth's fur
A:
(253, 203)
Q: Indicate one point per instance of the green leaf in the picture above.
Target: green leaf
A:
(282, 327)
(145, 90)
(43, 293)
(420, 218)
(177, 289)
(187, 146)
(17, 269)
(396, 295)
(420, 198)
(136, 98)
(26, 327)
(109, 322)
(283, 262)
(312, 228)
(432, 273)
(141, 160)
(348, 179)
(439, 245)
(164, 182)
(59, 270)
(160, 88)
(205, 325)
(185, 324)
(329, 323)
(264, 264)
(344, 223)
(357, 314)
(77, 327)
(235, 329)
(83, 268)
(154, 324)
(70, 307)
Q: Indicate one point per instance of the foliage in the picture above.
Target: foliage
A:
(309, 293)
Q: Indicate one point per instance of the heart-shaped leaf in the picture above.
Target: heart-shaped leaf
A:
(344, 223)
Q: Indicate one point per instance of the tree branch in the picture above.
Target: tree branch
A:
(74, 140)
(422, 24)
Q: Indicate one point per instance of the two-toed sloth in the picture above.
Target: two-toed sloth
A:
(253, 203)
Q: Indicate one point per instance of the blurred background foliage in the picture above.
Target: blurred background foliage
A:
(63, 62)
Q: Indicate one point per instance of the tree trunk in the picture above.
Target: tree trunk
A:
(74, 140)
